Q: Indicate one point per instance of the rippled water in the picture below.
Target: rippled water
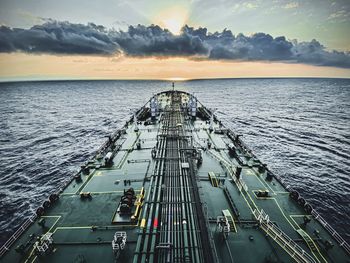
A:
(299, 127)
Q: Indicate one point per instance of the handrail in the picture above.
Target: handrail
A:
(13, 238)
(293, 249)
(331, 231)
(16, 235)
(316, 215)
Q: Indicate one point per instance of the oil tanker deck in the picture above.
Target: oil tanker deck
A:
(175, 185)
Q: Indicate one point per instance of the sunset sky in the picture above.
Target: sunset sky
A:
(126, 39)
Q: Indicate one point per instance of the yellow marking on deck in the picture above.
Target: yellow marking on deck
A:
(49, 231)
(280, 244)
(87, 181)
(318, 251)
(249, 172)
(122, 161)
(107, 192)
(30, 255)
(273, 198)
(285, 215)
(262, 182)
(143, 223)
(247, 202)
(139, 219)
(252, 200)
(73, 227)
(304, 233)
(58, 218)
(138, 204)
(291, 217)
(111, 192)
(297, 216)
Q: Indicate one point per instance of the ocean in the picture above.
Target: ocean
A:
(299, 127)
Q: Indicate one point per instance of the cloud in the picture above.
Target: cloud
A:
(155, 41)
(314, 53)
(339, 16)
(251, 5)
(58, 38)
(291, 5)
(245, 6)
(144, 41)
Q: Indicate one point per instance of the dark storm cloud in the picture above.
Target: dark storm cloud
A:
(58, 38)
(153, 40)
(67, 38)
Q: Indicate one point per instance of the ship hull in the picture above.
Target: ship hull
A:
(175, 185)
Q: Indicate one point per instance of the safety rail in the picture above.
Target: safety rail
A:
(293, 249)
(30, 220)
(331, 231)
(16, 235)
(12, 239)
(315, 214)
(232, 134)
(22, 228)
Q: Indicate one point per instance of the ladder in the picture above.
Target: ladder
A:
(213, 180)
(226, 213)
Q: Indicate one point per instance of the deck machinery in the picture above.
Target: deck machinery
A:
(175, 185)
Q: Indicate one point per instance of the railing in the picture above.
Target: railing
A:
(30, 220)
(61, 187)
(16, 235)
(316, 215)
(331, 231)
(294, 250)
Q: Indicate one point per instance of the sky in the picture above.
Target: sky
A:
(133, 39)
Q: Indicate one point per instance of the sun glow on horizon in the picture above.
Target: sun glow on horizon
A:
(172, 19)
(176, 79)
(16, 66)
(173, 25)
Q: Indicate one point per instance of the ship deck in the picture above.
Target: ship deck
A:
(200, 195)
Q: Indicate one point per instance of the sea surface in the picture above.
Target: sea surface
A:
(299, 127)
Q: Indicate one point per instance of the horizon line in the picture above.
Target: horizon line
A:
(159, 79)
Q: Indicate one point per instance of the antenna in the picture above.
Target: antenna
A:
(136, 128)
(211, 126)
